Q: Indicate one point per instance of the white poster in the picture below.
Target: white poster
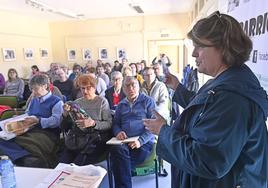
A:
(253, 16)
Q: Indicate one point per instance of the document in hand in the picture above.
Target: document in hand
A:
(14, 126)
(115, 141)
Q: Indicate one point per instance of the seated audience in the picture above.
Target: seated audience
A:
(158, 91)
(65, 85)
(117, 66)
(108, 69)
(128, 123)
(100, 73)
(35, 71)
(53, 89)
(99, 119)
(115, 93)
(39, 146)
(14, 85)
(2, 83)
(77, 70)
(52, 72)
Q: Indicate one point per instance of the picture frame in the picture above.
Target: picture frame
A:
(103, 53)
(9, 54)
(71, 54)
(43, 53)
(120, 53)
(86, 53)
(28, 53)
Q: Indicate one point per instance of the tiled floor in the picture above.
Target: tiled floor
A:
(143, 181)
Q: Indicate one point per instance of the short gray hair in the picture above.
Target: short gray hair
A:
(40, 80)
(130, 78)
(116, 73)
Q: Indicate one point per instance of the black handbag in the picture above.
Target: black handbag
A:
(77, 139)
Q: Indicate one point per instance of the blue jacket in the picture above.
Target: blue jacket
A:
(129, 118)
(220, 140)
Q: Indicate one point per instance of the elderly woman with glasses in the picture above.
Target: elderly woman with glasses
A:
(37, 147)
(220, 140)
(99, 118)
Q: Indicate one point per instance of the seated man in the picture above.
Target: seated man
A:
(128, 123)
(39, 146)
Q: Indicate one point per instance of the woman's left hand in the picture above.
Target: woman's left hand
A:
(84, 123)
(31, 120)
(155, 125)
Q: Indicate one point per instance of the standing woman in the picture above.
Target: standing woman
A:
(220, 139)
(14, 84)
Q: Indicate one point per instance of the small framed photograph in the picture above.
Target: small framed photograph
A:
(121, 53)
(103, 53)
(71, 54)
(43, 52)
(28, 53)
(86, 54)
(9, 54)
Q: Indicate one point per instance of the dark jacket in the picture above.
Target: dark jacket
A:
(220, 140)
(128, 118)
(109, 96)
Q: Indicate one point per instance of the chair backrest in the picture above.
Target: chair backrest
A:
(148, 166)
(11, 101)
(10, 113)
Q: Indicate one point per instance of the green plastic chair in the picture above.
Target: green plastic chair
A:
(11, 101)
(10, 113)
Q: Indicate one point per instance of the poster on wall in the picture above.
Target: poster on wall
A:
(121, 53)
(103, 53)
(43, 53)
(86, 54)
(9, 54)
(253, 17)
(28, 53)
(71, 53)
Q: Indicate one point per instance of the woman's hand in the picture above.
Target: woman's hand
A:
(85, 123)
(30, 120)
(171, 81)
(66, 109)
(155, 125)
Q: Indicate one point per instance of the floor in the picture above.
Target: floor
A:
(142, 181)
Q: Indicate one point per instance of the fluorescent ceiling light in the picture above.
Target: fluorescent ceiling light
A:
(44, 7)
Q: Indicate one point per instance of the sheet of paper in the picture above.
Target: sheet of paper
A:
(115, 141)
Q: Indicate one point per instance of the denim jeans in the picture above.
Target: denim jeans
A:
(124, 159)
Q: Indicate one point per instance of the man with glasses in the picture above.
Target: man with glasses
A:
(128, 122)
(158, 91)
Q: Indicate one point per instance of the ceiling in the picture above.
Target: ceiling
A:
(55, 10)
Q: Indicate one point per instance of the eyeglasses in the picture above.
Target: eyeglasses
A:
(86, 88)
(117, 79)
(133, 85)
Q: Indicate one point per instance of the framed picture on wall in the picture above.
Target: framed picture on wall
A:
(28, 53)
(71, 54)
(43, 52)
(86, 54)
(120, 53)
(9, 54)
(103, 53)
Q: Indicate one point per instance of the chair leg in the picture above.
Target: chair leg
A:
(110, 173)
(161, 171)
(156, 173)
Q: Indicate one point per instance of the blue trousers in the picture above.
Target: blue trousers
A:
(124, 159)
